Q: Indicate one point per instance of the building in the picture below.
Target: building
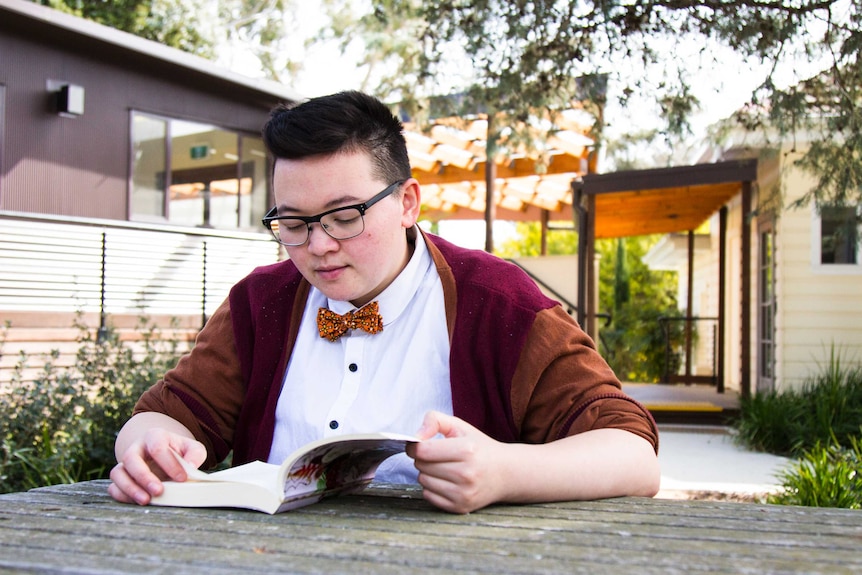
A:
(805, 266)
(132, 176)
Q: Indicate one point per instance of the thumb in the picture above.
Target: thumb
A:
(192, 451)
(446, 425)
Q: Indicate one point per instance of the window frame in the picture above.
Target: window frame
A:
(241, 137)
(816, 248)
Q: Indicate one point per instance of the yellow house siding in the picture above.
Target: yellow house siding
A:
(819, 306)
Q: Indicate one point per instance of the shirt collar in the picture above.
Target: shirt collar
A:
(394, 299)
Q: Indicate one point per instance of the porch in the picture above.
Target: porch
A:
(686, 404)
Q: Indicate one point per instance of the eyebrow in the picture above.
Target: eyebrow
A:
(343, 201)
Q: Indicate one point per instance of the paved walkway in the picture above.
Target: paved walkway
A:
(705, 462)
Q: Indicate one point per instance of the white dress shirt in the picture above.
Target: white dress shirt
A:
(363, 382)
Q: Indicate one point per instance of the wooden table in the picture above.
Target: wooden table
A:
(79, 529)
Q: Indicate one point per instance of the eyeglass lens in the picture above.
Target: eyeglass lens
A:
(340, 225)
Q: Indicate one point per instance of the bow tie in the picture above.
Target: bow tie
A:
(332, 326)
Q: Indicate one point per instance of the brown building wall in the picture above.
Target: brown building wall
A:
(79, 166)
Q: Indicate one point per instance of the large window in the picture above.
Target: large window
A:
(196, 174)
(839, 235)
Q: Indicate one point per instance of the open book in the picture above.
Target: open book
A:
(323, 468)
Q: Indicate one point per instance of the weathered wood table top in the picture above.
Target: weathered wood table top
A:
(79, 529)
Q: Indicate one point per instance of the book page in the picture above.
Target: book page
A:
(340, 463)
(255, 473)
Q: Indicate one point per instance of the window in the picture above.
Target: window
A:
(195, 174)
(839, 235)
(766, 311)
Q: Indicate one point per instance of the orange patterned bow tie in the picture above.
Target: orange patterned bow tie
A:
(332, 326)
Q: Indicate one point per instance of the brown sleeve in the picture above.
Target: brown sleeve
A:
(205, 390)
(562, 386)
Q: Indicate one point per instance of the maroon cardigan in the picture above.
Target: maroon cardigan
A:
(521, 370)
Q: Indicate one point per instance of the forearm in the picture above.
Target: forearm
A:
(138, 425)
(592, 465)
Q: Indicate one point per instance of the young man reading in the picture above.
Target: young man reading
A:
(452, 345)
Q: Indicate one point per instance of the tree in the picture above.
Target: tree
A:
(263, 32)
(519, 61)
(171, 22)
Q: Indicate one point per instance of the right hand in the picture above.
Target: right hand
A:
(148, 460)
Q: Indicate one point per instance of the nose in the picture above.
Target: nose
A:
(319, 242)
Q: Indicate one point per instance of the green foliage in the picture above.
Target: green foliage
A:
(825, 476)
(528, 59)
(60, 426)
(827, 409)
(635, 296)
(171, 22)
(639, 297)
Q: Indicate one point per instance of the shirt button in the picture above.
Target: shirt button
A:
(353, 367)
(333, 424)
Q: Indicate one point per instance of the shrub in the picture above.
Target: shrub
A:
(61, 426)
(828, 409)
(825, 476)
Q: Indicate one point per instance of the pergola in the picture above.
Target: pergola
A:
(450, 159)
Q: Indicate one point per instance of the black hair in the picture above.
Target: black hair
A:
(345, 122)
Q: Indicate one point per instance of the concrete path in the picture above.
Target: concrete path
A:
(698, 462)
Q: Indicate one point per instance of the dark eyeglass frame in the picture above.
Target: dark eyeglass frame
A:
(271, 216)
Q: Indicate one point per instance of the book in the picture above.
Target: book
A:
(325, 468)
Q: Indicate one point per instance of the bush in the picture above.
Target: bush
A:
(825, 476)
(821, 425)
(827, 410)
(61, 426)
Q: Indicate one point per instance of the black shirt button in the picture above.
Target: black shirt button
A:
(333, 424)
(353, 367)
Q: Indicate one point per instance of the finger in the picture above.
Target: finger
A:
(163, 452)
(135, 464)
(194, 452)
(125, 489)
(444, 494)
(446, 425)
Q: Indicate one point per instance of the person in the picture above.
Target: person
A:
(509, 396)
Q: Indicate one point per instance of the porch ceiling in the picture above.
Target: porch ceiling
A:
(664, 200)
(660, 210)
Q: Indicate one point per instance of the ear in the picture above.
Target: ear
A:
(411, 201)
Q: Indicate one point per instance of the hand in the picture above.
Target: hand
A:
(147, 461)
(462, 472)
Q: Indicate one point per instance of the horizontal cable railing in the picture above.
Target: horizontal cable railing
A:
(52, 264)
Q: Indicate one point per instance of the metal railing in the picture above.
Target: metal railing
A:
(692, 332)
(58, 264)
(570, 308)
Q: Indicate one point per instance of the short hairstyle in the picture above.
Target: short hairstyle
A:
(345, 122)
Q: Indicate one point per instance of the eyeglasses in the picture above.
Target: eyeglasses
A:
(340, 223)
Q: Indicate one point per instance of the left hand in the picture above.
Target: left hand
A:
(462, 472)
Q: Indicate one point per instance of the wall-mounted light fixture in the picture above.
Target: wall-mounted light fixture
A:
(70, 100)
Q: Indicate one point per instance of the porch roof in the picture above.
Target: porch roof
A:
(664, 200)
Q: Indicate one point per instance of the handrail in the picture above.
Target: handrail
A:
(138, 225)
(570, 307)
